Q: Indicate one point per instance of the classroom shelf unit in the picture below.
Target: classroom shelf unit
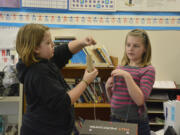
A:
(13, 101)
(89, 111)
(155, 105)
(77, 71)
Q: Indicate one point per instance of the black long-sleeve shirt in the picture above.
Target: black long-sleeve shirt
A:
(49, 109)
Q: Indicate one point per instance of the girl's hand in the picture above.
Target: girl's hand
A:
(90, 76)
(108, 86)
(119, 72)
(88, 41)
(109, 83)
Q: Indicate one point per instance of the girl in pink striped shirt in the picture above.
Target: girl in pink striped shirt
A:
(131, 83)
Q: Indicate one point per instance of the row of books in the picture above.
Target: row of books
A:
(99, 54)
(94, 93)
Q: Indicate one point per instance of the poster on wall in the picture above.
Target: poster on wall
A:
(10, 3)
(92, 5)
(148, 5)
(55, 4)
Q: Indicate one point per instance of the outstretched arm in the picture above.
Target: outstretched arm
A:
(76, 45)
(76, 92)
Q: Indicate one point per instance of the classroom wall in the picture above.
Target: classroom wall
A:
(165, 47)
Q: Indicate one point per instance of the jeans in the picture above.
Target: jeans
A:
(143, 125)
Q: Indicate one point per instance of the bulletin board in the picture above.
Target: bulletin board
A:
(92, 5)
(98, 5)
(93, 14)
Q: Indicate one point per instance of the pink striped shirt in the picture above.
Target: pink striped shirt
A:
(144, 78)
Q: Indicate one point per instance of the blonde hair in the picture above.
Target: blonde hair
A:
(146, 58)
(29, 37)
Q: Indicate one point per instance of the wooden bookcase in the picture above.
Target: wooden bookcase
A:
(77, 71)
(89, 111)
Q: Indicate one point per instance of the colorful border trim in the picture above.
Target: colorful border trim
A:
(91, 21)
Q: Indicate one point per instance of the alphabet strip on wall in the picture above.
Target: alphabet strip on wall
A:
(90, 21)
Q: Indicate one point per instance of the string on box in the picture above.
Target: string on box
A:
(94, 104)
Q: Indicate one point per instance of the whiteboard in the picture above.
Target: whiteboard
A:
(148, 5)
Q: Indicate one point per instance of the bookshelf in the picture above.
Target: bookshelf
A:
(89, 111)
(155, 106)
(77, 71)
(8, 105)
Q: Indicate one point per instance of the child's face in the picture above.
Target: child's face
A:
(134, 48)
(46, 48)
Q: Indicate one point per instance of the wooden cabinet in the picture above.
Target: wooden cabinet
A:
(12, 107)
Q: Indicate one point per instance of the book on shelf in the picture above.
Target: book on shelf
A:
(99, 55)
(90, 97)
(81, 99)
(78, 58)
(102, 83)
(165, 85)
(86, 97)
(106, 55)
(97, 88)
(159, 96)
(92, 94)
(100, 91)
(90, 50)
(70, 80)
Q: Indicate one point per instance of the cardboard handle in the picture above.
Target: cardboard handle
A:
(89, 63)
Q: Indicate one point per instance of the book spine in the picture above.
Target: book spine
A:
(94, 92)
(106, 55)
(91, 94)
(100, 56)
